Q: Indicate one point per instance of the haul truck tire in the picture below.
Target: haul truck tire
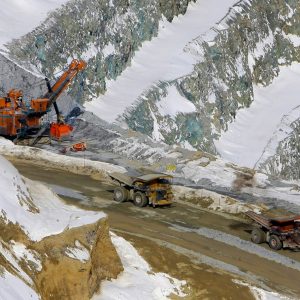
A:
(258, 236)
(275, 243)
(121, 194)
(140, 199)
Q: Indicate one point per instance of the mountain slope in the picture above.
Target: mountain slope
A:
(186, 86)
(254, 126)
(104, 33)
(20, 17)
(161, 59)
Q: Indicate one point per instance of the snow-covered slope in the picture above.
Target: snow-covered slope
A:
(163, 58)
(247, 138)
(13, 288)
(19, 17)
(38, 211)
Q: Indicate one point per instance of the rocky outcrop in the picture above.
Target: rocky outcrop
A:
(285, 162)
(247, 47)
(104, 33)
(70, 265)
(75, 262)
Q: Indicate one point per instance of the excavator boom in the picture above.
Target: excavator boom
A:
(64, 81)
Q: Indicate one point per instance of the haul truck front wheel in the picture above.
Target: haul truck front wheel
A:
(140, 199)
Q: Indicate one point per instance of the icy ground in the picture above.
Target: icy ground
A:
(163, 58)
(249, 135)
(19, 17)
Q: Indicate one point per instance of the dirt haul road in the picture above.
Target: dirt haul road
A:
(207, 250)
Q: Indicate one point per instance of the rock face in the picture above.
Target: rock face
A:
(33, 85)
(285, 162)
(246, 48)
(70, 265)
(75, 262)
(104, 33)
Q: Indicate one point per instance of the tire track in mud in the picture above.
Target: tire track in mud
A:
(241, 244)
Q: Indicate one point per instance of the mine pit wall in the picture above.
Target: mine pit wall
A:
(107, 37)
(256, 41)
(63, 277)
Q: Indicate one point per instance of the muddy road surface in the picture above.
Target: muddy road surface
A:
(207, 250)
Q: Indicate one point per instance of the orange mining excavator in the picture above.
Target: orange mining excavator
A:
(18, 120)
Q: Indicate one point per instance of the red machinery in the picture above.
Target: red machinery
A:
(281, 232)
(19, 120)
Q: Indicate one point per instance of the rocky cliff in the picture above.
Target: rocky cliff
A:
(246, 48)
(285, 161)
(105, 33)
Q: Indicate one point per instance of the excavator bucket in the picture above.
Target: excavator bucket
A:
(58, 131)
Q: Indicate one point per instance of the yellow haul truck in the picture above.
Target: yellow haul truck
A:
(153, 189)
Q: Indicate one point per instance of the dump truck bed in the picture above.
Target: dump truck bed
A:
(260, 219)
(129, 180)
(283, 224)
(122, 178)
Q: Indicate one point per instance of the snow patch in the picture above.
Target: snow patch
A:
(90, 52)
(4, 251)
(33, 206)
(78, 252)
(18, 17)
(295, 39)
(261, 294)
(137, 281)
(108, 50)
(247, 137)
(30, 256)
(164, 58)
(12, 288)
(174, 103)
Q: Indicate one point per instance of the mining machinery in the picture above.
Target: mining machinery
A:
(20, 120)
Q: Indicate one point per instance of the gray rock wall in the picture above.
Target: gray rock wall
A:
(250, 50)
(286, 162)
(105, 33)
